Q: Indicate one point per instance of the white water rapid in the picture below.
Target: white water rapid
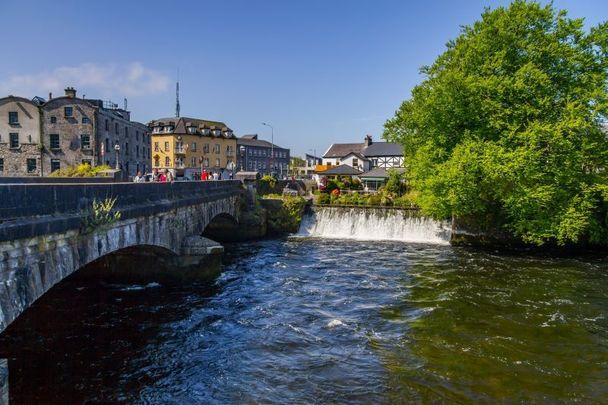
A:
(373, 224)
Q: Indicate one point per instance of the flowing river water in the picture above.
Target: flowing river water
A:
(308, 320)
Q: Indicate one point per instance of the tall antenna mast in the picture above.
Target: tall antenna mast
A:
(177, 95)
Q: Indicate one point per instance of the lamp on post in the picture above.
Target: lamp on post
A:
(117, 149)
(231, 166)
(242, 149)
(271, 144)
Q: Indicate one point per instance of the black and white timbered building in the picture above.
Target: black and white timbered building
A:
(365, 156)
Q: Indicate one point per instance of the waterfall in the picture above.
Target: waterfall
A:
(373, 224)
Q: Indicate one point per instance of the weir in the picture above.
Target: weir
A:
(363, 223)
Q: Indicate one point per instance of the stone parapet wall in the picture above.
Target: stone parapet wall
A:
(24, 201)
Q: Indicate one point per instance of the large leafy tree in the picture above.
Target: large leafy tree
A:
(506, 128)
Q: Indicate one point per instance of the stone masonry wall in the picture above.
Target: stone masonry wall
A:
(31, 266)
(15, 160)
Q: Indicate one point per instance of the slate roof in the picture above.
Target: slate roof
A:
(342, 170)
(379, 173)
(181, 124)
(339, 150)
(252, 140)
(375, 149)
(383, 149)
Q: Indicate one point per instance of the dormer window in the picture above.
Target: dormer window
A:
(156, 130)
(168, 128)
(228, 134)
(192, 130)
(217, 132)
(206, 131)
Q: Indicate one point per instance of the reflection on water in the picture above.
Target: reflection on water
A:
(325, 321)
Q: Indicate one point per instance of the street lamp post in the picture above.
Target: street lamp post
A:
(242, 149)
(231, 166)
(271, 144)
(117, 149)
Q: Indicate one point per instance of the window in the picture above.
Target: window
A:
(137, 136)
(116, 128)
(107, 149)
(166, 146)
(217, 162)
(179, 147)
(53, 120)
(167, 161)
(192, 130)
(127, 148)
(193, 147)
(13, 117)
(206, 148)
(206, 162)
(126, 132)
(1, 165)
(85, 120)
(87, 162)
(156, 148)
(216, 148)
(250, 152)
(14, 140)
(107, 125)
(206, 131)
(54, 140)
(193, 162)
(137, 150)
(85, 142)
(68, 112)
(157, 162)
(355, 162)
(55, 164)
(31, 165)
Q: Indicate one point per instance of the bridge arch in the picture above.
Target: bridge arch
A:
(34, 263)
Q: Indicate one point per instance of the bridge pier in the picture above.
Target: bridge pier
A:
(3, 382)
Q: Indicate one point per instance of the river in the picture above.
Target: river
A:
(304, 320)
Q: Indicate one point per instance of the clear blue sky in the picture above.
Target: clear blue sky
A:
(320, 71)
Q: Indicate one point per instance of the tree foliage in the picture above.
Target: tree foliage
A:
(506, 128)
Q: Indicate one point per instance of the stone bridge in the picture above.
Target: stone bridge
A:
(46, 232)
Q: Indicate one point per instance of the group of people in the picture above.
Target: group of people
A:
(165, 176)
(211, 175)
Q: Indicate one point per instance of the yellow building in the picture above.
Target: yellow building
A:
(186, 146)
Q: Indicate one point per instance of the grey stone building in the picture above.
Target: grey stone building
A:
(261, 156)
(20, 153)
(78, 130)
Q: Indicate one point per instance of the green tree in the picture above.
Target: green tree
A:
(506, 128)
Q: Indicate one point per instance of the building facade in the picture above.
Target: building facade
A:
(78, 130)
(20, 153)
(256, 155)
(307, 169)
(366, 155)
(187, 146)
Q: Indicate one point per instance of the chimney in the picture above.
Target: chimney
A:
(70, 92)
(50, 96)
(368, 140)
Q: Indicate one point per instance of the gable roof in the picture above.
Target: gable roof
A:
(339, 150)
(342, 170)
(356, 154)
